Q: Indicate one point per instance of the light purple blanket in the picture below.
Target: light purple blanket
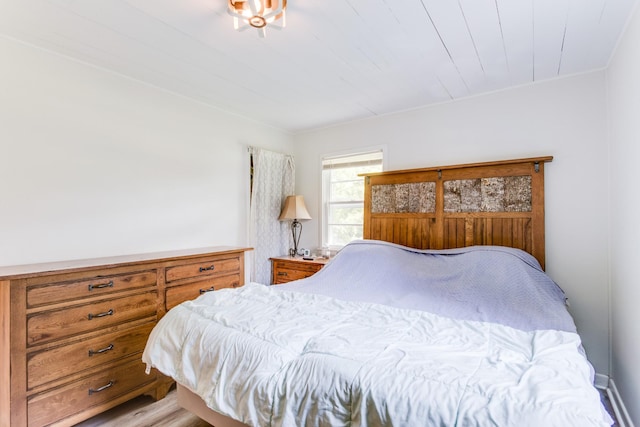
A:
(484, 283)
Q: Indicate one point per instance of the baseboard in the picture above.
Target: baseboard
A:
(624, 420)
(601, 381)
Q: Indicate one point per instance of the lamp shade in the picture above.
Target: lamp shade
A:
(294, 208)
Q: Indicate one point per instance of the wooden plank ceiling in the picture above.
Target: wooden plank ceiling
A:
(336, 60)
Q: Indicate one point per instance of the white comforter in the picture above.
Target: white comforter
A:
(277, 358)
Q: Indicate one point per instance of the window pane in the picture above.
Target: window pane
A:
(340, 235)
(346, 191)
(346, 214)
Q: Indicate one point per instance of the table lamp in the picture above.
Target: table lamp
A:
(294, 209)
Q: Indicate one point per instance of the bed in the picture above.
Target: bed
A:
(390, 333)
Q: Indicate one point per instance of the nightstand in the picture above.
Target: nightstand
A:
(285, 268)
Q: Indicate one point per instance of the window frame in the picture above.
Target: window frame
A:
(325, 205)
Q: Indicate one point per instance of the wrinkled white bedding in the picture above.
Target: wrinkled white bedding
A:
(269, 357)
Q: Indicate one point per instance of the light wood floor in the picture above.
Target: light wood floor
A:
(143, 411)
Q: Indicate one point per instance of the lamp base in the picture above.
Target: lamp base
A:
(296, 231)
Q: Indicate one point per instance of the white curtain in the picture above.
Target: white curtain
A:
(273, 181)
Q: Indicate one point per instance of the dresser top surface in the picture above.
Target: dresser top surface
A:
(315, 260)
(18, 271)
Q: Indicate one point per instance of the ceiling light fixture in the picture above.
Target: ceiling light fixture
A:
(257, 14)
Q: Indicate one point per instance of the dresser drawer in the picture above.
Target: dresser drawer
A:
(38, 295)
(216, 266)
(287, 271)
(288, 275)
(93, 353)
(51, 325)
(178, 294)
(95, 390)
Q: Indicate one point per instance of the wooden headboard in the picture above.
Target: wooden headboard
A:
(495, 203)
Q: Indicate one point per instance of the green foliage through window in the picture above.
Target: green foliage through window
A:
(343, 195)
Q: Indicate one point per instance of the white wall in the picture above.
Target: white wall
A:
(96, 164)
(564, 118)
(624, 104)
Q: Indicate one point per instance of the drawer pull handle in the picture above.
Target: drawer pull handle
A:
(204, 291)
(282, 273)
(104, 387)
(106, 313)
(102, 350)
(101, 286)
(207, 268)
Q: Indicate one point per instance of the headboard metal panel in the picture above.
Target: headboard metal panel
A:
(494, 203)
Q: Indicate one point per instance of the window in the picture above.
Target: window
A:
(343, 196)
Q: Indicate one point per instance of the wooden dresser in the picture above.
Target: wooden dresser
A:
(73, 332)
(285, 268)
